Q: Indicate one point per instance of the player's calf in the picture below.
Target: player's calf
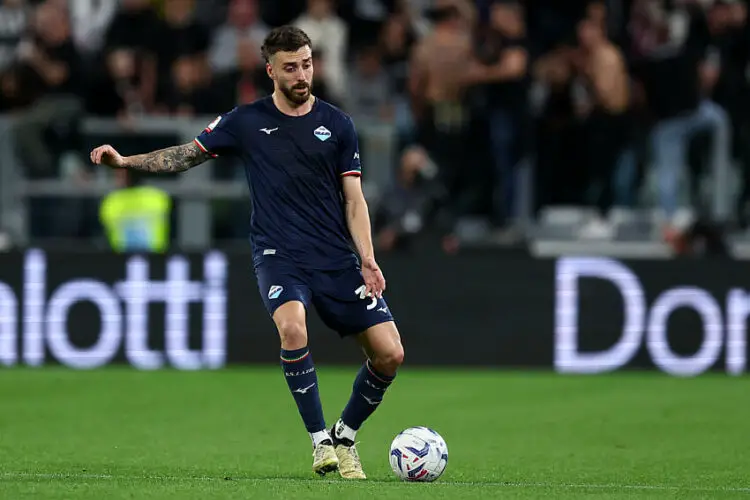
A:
(299, 372)
(300, 375)
(385, 352)
(367, 394)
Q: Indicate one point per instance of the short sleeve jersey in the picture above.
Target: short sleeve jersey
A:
(294, 167)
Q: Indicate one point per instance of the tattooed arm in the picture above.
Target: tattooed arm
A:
(169, 160)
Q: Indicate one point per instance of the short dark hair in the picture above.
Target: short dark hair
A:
(284, 39)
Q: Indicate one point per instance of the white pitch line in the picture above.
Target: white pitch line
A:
(612, 486)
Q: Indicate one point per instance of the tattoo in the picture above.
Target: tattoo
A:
(174, 159)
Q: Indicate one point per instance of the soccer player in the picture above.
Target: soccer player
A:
(302, 163)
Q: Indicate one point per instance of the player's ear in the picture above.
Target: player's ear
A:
(269, 70)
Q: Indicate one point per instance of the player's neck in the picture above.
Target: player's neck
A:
(288, 108)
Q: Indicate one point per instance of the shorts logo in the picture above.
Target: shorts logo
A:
(322, 133)
(275, 291)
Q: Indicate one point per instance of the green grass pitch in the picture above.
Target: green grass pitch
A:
(121, 434)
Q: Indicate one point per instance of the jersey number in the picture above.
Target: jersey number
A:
(361, 292)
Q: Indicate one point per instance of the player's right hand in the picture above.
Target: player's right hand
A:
(107, 155)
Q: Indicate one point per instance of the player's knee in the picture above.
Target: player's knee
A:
(390, 360)
(293, 334)
(397, 357)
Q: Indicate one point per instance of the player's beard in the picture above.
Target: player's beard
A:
(294, 96)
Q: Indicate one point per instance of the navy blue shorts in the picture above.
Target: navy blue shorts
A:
(334, 294)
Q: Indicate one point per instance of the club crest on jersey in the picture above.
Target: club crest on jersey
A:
(275, 291)
(322, 133)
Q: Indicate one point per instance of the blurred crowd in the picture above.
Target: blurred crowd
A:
(593, 96)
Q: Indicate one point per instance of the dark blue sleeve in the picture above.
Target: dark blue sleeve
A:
(349, 162)
(221, 136)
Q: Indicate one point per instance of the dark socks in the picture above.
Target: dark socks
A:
(367, 393)
(300, 375)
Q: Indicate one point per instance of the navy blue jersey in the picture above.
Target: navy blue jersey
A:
(294, 166)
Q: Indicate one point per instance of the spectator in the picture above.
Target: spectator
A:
(320, 83)
(14, 18)
(188, 95)
(365, 19)
(245, 83)
(414, 13)
(604, 77)
(127, 80)
(727, 22)
(675, 66)
(502, 51)
(438, 97)
(90, 20)
(135, 217)
(396, 42)
(552, 22)
(51, 68)
(117, 90)
(243, 30)
(179, 35)
(239, 70)
(133, 25)
(410, 201)
(330, 35)
(596, 12)
(560, 180)
(466, 92)
(370, 94)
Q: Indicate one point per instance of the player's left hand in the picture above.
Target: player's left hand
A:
(374, 279)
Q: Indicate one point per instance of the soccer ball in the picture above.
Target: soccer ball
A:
(419, 454)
